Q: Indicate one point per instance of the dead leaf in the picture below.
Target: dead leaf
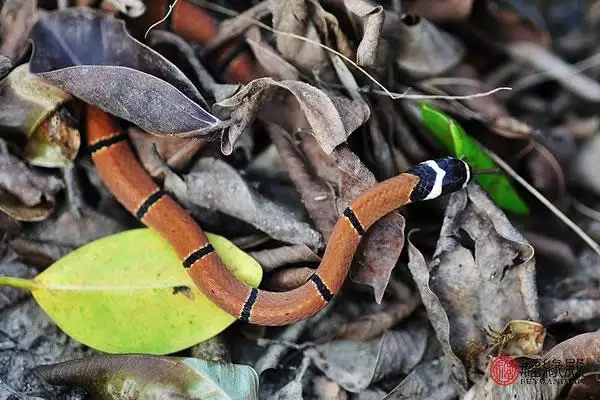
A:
(17, 17)
(429, 380)
(329, 123)
(236, 26)
(318, 196)
(55, 143)
(355, 365)
(274, 65)
(25, 102)
(27, 194)
(437, 315)
(372, 17)
(425, 50)
(214, 185)
(495, 279)
(126, 79)
(292, 16)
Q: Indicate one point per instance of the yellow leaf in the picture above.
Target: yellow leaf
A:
(128, 293)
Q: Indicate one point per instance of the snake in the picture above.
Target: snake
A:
(126, 178)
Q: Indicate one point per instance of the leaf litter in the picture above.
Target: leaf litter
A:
(265, 123)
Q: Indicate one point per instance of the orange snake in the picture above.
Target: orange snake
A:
(134, 188)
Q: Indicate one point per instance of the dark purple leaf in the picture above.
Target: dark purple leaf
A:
(90, 55)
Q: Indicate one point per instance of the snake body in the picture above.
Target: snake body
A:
(126, 178)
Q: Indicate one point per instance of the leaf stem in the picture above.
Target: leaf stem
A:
(19, 283)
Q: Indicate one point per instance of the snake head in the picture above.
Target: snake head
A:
(439, 177)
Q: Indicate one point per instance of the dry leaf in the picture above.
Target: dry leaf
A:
(372, 17)
(214, 185)
(356, 365)
(326, 115)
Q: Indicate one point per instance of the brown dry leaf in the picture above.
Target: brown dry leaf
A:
(569, 358)
(525, 338)
(176, 152)
(26, 194)
(355, 365)
(214, 185)
(17, 17)
(271, 259)
(328, 116)
(372, 17)
(440, 10)
(274, 65)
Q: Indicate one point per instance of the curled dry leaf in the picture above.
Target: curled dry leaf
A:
(373, 17)
(148, 377)
(355, 365)
(437, 315)
(519, 338)
(424, 49)
(26, 194)
(55, 143)
(126, 79)
(293, 16)
(213, 184)
(325, 114)
(26, 101)
(17, 17)
(274, 65)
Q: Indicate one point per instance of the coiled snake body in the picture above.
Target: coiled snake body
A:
(134, 188)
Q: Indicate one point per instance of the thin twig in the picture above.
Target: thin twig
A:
(584, 236)
(171, 7)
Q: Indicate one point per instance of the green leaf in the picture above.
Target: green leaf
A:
(146, 377)
(128, 293)
(452, 136)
